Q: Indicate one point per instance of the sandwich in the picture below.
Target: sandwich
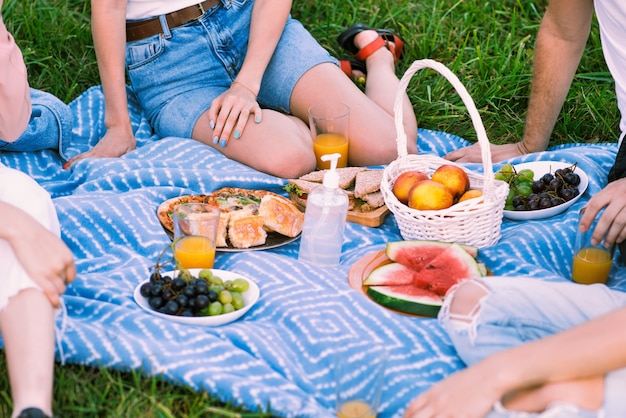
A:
(280, 215)
(361, 184)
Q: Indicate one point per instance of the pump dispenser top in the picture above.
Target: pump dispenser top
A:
(324, 219)
(331, 177)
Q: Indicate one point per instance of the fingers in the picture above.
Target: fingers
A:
(228, 118)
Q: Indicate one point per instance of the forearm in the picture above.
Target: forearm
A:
(268, 22)
(560, 43)
(15, 104)
(16, 222)
(109, 36)
(588, 350)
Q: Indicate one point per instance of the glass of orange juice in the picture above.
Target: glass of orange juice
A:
(329, 123)
(359, 376)
(195, 232)
(592, 263)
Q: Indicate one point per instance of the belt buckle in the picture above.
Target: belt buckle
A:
(202, 11)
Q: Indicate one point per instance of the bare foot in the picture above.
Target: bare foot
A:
(584, 393)
(362, 39)
(110, 146)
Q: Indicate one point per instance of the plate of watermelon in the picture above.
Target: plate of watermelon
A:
(412, 277)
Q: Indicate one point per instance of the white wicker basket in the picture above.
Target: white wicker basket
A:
(475, 221)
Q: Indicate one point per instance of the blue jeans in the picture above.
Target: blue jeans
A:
(177, 74)
(517, 310)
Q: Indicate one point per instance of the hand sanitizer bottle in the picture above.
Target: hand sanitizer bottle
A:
(324, 220)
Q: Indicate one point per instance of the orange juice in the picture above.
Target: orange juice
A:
(330, 144)
(591, 265)
(195, 251)
(355, 409)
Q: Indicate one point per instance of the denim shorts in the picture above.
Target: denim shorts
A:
(517, 310)
(177, 74)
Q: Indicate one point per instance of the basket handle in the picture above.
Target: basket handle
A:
(483, 141)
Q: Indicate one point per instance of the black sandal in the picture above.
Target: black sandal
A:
(348, 65)
(386, 38)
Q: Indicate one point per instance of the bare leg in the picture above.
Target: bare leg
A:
(372, 128)
(27, 325)
(585, 393)
(280, 145)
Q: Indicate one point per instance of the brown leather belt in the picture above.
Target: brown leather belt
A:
(144, 28)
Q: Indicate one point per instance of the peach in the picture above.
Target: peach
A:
(430, 195)
(454, 178)
(405, 182)
(471, 193)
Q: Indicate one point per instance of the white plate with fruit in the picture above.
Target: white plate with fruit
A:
(541, 189)
(242, 293)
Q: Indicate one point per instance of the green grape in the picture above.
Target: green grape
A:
(238, 301)
(239, 285)
(507, 169)
(205, 274)
(185, 274)
(216, 288)
(500, 176)
(524, 190)
(216, 281)
(225, 296)
(526, 174)
(215, 308)
(228, 308)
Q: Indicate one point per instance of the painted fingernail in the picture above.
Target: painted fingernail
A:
(257, 119)
(215, 140)
(222, 142)
(66, 165)
(212, 124)
(237, 134)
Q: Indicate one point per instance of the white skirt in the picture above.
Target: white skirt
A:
(23, 192)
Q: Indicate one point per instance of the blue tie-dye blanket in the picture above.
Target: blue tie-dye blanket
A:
(280, 353)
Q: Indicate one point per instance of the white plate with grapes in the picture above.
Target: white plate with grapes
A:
(541, 189)
(209, 297)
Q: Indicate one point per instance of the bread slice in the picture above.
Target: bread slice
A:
(281, 215)
(346, 175)
(373, 201)
(367, 181)
(222, 230)
(245, 229)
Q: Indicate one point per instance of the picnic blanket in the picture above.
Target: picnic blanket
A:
(280, 353)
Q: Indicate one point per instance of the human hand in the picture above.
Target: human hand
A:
(44, 256)
(230, 111)
(465, 394)
(472, 153)
(116, 142)
(613, 220)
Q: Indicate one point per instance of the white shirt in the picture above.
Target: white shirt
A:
(143, 9)
(611, 16)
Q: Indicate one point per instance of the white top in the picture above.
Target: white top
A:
(143, 9)
(14, 93)
(611, 16)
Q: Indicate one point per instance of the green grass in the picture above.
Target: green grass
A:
(488, 44)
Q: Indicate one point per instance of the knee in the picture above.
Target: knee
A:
(463, 302)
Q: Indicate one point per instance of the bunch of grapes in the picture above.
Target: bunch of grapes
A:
(186, 295)
(550, 190)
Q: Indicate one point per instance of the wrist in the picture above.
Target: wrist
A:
(254, 90)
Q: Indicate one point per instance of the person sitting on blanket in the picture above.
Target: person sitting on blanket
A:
(35, 264)
(244, 91)
(558, 51)
(547, 348)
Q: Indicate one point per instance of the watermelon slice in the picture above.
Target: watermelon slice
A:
(417, 253)
(393, 274)
(407, 298)
(447, 269)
